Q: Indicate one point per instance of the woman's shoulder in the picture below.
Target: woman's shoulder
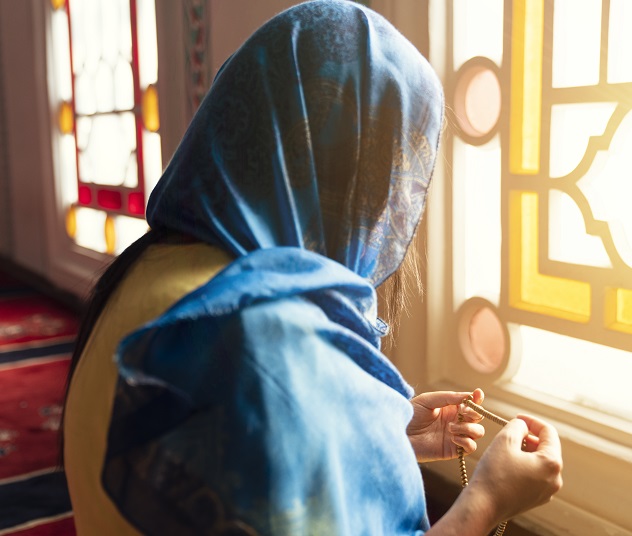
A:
(163, 275)
(182, 267)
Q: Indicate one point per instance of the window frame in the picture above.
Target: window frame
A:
(597, 448)
(68, 265)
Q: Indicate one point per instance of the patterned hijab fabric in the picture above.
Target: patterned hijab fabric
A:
(261, 399)
(320, 132)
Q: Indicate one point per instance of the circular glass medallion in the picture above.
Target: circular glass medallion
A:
(477, 99)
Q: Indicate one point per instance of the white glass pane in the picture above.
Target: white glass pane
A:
(84, 127)
(90, 228)
(478, 30)
(123, 86)
(153, 160)
(620, 42)
(147, 43)
(477, 215)
(107, 155)
(125, 35)
(131, 172)
(86, 35)
(87, 167)
(85, 93)
(110, 25)
(128, 230)
(576, 370)
(77, 15)
(568, 240)
(61, 55)
(104, 82)
(571, 127)
(576, 42)
(608, 187)
(128, 124)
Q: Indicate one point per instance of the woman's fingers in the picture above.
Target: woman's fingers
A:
(467, 429)
(516, 431)
(466, 434)
(441, 399)
(468, 414)
(549, 438)
(546, 439)
(469, 445)
(478, 396)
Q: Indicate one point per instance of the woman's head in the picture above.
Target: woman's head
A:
(319, 132)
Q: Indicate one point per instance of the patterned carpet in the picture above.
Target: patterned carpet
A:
(36, 339)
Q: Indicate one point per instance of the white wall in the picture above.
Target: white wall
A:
(233, 22)
(228, 23)
(6, 226)
(25, 128)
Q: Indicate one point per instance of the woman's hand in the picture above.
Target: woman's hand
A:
(508, 480)
(435, 431)
(515, 478)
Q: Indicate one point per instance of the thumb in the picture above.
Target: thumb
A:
(515, 431)
(440, 399)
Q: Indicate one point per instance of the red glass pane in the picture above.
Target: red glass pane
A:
(85, 195)
(109, 199)
(136, 203)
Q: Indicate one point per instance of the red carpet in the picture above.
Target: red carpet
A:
(36, 338)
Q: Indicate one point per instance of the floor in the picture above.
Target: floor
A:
(36, 339)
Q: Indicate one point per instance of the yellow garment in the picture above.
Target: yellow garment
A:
(164, 274)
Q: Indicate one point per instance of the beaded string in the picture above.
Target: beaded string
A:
(492, 417)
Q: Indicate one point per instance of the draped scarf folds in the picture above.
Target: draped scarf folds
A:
(320, 132)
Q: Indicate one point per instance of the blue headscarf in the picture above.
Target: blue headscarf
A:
(264, 393)
(321, 133)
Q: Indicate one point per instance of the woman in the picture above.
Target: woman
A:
(252, 397)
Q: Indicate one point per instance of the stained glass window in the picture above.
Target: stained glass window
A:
(540, 99)
(105, 70)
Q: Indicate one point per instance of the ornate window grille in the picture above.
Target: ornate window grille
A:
(539, 158)
(107, 145)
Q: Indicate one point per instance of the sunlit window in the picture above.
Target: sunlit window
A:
(539, 159)
(107, 145)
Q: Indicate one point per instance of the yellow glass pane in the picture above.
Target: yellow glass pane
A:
(528, 288)
(151, 119)
(110, 235)
(526, 86)
(57, 4)
(71, 222)
(619, 309)
(66, 118)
